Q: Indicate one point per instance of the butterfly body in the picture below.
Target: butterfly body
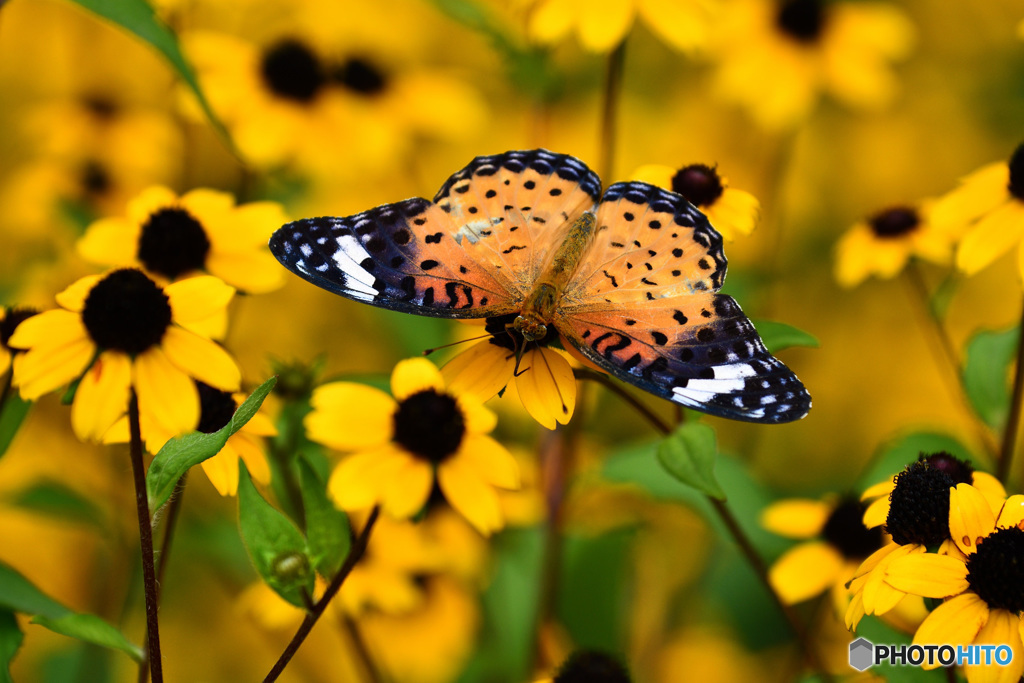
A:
(628, 278)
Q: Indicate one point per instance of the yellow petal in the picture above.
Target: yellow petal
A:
(796, 517)
(955, 621)
(1002, 628)
(166, 394)
(683, 25)
(876, 514)
(879, 596)
(490, 460)
(470, 496)
(928, 575)
(478, 419)
(198, 298)
(546, 386)
(552, 20)
(883, 488)
(250, 450)
(73, 298)
(110, 241)
(987, 484)
(149, 201)
(349, 416)
(1012, 513)
(50, 329)
(44, 368)
(604, 23)
(735, 213)
(222, 471)
(991, 237)
(655, 174)
(204, 203)
(409, 489)
(875, 558)
(804, 571)
(482, 370)
(414, 375)
(854, 612)
(102, 396)
(978, 193)
(359, 481)
(256, 272)
(260, 424)
(970, 517)
(201, 358)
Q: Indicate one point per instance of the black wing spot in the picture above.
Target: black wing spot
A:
(408, 286)
(428, 296)
(462, 189)
(633, 361)
(468, 291)
(433, 239)
(586, 333)
(677, 252)
(705, 313)
(618, 245)
(648, 282)
(397, 261)
(473, 209)
(676, 273)
(453, 297)
(612, 278)
(514, 247)
(659, 364)
(686, 355)
(403, 236)
(659, 338)
(447, 208)
(538, 219)
(376, 245)
(462, 269)
(554, 192)
(717, 355)
(704, 265)
(630, 322)
(529, 184)
(649, 266)
(419, 221)
(490, 194)
(508, 207)
(652, 252)
(525, 209)
(368, 265)
(637, 244)
(507, 181)
(680, 318)
(654, 225)
(650, 297)
(628, 216)
(707, 373)
(705, 335)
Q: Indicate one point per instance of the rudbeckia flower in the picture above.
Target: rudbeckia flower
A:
(882, 245)
(121, 332)
(544, 381)
(401, 444)
(593, 666)
(732, 212)
(202, 230)
(835, 543)
(601, 26)
(988, 210)
(983, 583)
(10, 318)
(774, 58)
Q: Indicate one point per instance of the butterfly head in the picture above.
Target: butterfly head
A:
(531, 327)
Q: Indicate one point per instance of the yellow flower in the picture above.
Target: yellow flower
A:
(988, 210)
(732, 212)
(402, 444)
(882, 245)
(10, 318)
(983, 583)
(835, 543)
(121, 332)
(774, 58)
(601, 26)
(202, 230)
(544, 380)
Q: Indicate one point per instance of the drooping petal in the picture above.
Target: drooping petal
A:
(110, 241)
(44, 368)
(201, 358)
(252, 454)
(359, 480)
(73, 298)
(349, 416)
(1002, 628)
(796, 517)
(956, 621)
(470, 496)
(804, 571)
(222, 471)
(166, 394)
(546, 386)
(478, 419)
(991, 237)
(1012, 513)
(928, 575)
(854, 612)
(876, 514)
(880, 596)
(102, 396)
(875, 558)
(414, 375)
(198, 298)
(490, 460)
(482, 370)
(970, 517)
(409, 489)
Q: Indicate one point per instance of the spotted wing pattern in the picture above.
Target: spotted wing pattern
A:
(471, 253)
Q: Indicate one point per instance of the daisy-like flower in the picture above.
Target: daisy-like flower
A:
(201, 231)
(732, 212)
(884, 243)
(683, 24)
(775, 57)
(10, 318)
(544, 382)
(988, 210)
(121, 332)
(399, 445)
(835, 543)
(914, 507)
(590, 666)
(982, 583)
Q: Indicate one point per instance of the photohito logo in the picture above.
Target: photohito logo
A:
(865, 654)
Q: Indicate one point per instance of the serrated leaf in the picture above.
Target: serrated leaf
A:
(14, 410)
(327, 528)
(180, 454)
(10, 640)
(778, 336)
(91, 629)
(276, 547)
(987, 372)
(138, 18)
(689, 455)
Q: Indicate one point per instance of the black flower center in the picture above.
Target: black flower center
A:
(102, 107)
(94, 179)
(507, 338)
(894, 222)
(15, 316)
(996, 570)
(700, 184)
(360, 76)
(588, 666)
(429, 424)
(173, 243)
(1016, 186)
(215, 408)
(126, 311)
(960, 471)
(292, 71)
(845, 531)
(919, 506)
(802, 19)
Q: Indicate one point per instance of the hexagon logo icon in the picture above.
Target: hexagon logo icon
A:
(861, 654)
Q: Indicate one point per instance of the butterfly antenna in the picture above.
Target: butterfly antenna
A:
(427, 352)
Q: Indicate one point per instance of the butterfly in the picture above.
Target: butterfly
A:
(628, 277)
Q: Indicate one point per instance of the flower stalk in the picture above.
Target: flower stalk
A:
(1009, 442)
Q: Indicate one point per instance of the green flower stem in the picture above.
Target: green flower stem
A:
(151, 659)
(610, 110)
(354, 555)
(1009, 444)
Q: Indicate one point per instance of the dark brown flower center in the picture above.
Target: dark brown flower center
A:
(94, 179)
(699, 183)
(173, 243)
(360, 76)
(960, 471)
(802, 20)
(430, 425)
(15, 316)
(1016, 186)
(101, 106)
(919, 506)
(996, 570)
(895, 222)
(216, 408)
(126, 311)
(845, 531)
(292, 71)
(589, 666)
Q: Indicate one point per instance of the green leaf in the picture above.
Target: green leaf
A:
(57, 500)
(91, 629)
(18, 594)
(180, 454)
(276, 547)
(13, 413)
(137, 17)
(10, 640)
(987, 372)
(778, 336)
(892, 457)
(689, 455)
(327, 528)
